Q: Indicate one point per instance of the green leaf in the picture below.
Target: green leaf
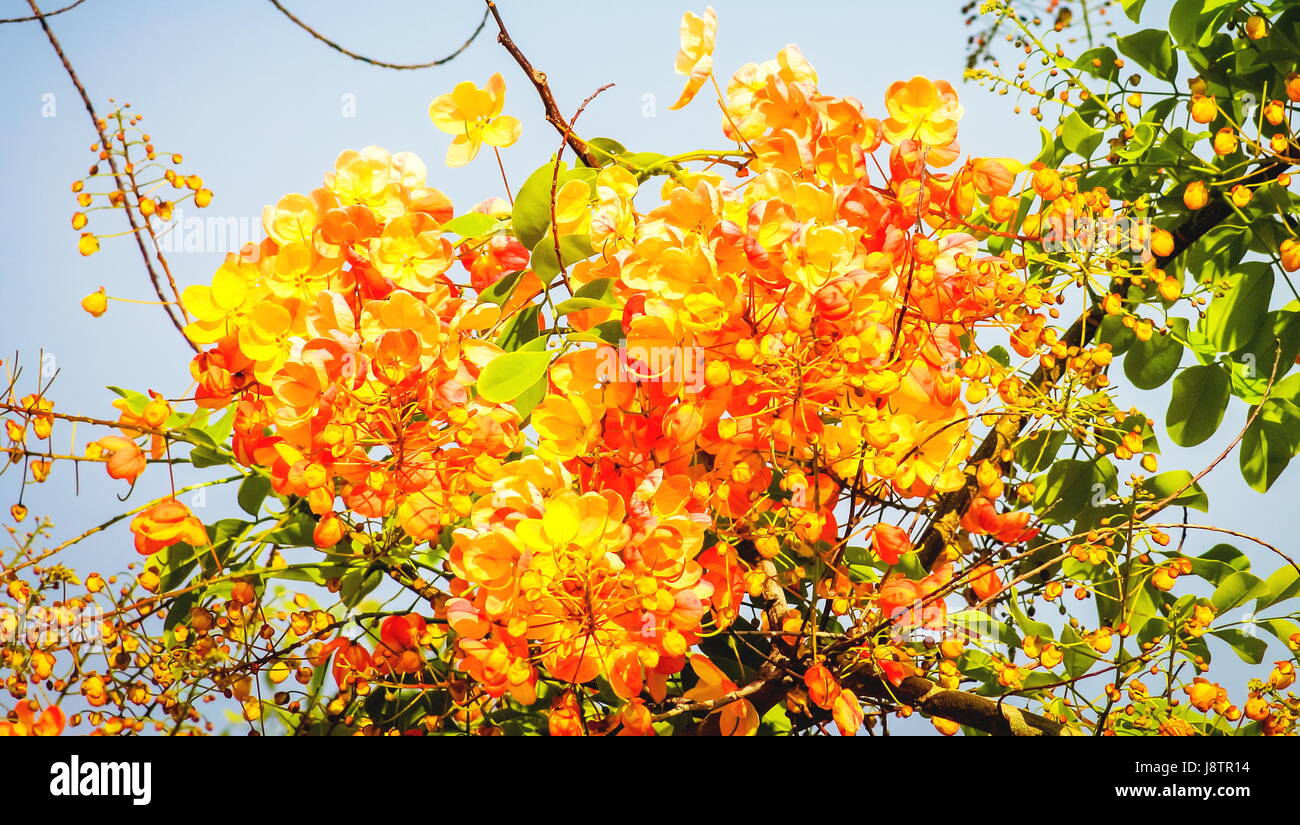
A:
(1028, 625)
(1236, 590)
(1283, 629)
(1153, 51)
(1282, 585)
(1077, 660)
(204, 456)
(1149, 364)
(1070, 486)
(1037, 452)
(598, 293)
(499, 292)
(357, 583)
(298, 528)
(981, 625)
(573, 248)
(1166, 484)
(531, 217)
(470, 225)
(1113, 332)
(910, 565)
(252, 492)
(1233, 319)
(174, 565)
(1277, 340)
(1183, 19)
(1219, 562)
(577, 305)
(532, 210)
(1266, 449)
(509, 375)
(1250, 648)
(604, 149)
(1199, 400)
(1143, 613)
(1099, 62)
(1133, 8)
(520, 329)
(776, 722)
(527, 400)
(609, 332)
(1080, 137)
(135, 401)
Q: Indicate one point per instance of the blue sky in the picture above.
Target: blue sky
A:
(260, 109)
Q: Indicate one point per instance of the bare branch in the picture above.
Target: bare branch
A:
(380, 63)
(42, 15)
(117, 175)
(539, 81)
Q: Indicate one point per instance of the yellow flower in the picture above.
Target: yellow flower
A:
(695, 58)
(922, 110)
(474, 116)
(411, 252)
(96, 303)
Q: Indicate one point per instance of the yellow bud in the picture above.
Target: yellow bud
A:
(96, 303)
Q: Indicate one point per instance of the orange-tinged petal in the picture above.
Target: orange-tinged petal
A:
(695, 58)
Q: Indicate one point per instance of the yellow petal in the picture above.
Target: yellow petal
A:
(503, 131)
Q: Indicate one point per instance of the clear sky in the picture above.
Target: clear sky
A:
(260, 109)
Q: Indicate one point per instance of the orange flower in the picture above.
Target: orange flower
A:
(1283, 675)
(823, 687)
(736, 718)
(565, 717)
(1202, 693)
(985, 582)
(329, 531)
(695, 58)
(50, 723)
(637, 719)
(164, 524)
(399, 648)
(922, 110)
(982, 518)
(125, 459)
(847, 713)
(890, 542)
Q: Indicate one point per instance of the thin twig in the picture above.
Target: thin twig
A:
(42, 15)
(380, 63)
(538, 79)
(117, 176)
(555, 183)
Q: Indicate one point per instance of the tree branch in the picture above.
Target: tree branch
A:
(540, 83)
(117, 175)
(42, 15)
(380, 63)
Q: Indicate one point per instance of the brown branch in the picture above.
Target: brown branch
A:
(1080, 334)
(380, 63)
(555, 183)
(979, 712)
(42, 15)
(117, 175)
(973, 711)
(540, 83)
